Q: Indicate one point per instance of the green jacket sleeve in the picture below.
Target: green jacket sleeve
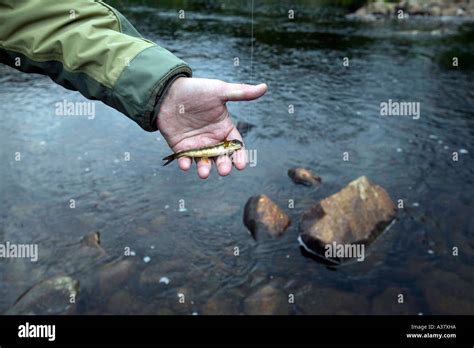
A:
(90, 47)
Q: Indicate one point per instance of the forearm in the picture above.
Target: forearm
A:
(89, 47)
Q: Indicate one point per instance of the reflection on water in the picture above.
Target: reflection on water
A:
(135, 204)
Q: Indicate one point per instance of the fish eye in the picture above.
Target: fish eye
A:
(237, 142)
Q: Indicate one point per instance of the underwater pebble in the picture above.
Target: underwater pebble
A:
(182, 210)
(87, 170)
(152, 247)
(132, 253)
(399, 150)
(416, 204)
(42, 142)
(446, 147)
(432, 136)
(431, 252)
(116, 161)
(463, 151)
(167, 206)
(195, 313)
(165, 280)
(147, 259)
(440, 142)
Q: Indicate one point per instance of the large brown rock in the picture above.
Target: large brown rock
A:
(262, 214)
(355, 215)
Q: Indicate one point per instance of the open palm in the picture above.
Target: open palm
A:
(194, 114)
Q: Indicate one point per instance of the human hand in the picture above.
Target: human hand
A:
(194, 114)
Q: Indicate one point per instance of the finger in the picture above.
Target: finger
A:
(224, 165)
(236, 92)
(184, 163)
(203, 168)
(239, 157)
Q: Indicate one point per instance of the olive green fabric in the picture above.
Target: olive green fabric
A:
(90, 47)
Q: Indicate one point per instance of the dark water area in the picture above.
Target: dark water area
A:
(138, 204)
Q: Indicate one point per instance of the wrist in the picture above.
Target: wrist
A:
(161, 103)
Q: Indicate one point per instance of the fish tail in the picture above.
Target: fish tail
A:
(169, 158)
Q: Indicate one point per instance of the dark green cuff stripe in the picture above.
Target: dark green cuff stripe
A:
(146, 78)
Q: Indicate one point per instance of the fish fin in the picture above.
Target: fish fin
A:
(169, 158)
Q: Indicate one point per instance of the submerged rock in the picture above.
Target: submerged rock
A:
(267, 301)
(221, 304)
(244, 127)
(315, 300)
(303, 176)
(355, 215)
(447, 293)
(52, 296)
(113, 275)
(394, 301)
(262, 214)
(416, 7)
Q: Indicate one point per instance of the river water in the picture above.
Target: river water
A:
(138, 204)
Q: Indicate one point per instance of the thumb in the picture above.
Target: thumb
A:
(236, 91)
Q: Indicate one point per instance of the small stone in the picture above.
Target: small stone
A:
(416, 204)
(463, 151)
(303, 176)
(261, 213)
(147, 259)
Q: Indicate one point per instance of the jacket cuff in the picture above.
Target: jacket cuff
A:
(142, 84)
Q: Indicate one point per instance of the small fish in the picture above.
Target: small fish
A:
(226, 147)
